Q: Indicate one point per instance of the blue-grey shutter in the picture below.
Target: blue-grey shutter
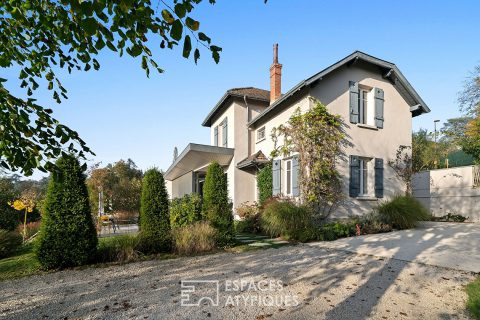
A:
(215, 136)
(378, 178)
(354, 189)
(354, 107)
(276, 176)
(225, 133)
(379, 101)
(295, 171)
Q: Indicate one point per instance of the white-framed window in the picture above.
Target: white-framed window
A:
(366, 106)
(225, 133)
(363, 177)
(215, 136)
(363, 105)
(288, 177)
(261, 134)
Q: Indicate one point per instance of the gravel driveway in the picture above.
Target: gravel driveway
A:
(326, 283)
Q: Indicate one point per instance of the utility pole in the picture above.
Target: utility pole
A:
(435, 139)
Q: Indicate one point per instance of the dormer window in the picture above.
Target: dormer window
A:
(261, 134)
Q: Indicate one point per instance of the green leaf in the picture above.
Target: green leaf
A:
(111, 46)
(203, 37)
(135, 50)
(167, 16)
(196, 55)
(192, 24)
(100, 44)
(180, 10)
(187, 46)
(216, 56)
(177, 30)
(90, 26)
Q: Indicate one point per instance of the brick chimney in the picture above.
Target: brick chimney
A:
(275, 76)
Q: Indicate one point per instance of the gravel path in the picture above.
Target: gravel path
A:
(326, 283)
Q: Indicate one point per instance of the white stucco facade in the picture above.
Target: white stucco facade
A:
(247, 112)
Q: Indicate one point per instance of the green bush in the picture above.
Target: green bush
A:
(185, 210)
(403, 212)
(265, 183)
(67, 236)
(287, 220)
(250, 218)
(372, 223)
(154, 214)
(194, 238)
(216, 205)
(10, 242)
(338, 229)
(8, 216)
(118, 249)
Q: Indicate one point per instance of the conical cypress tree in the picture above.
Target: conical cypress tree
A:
(68, 236)
(216, 205)
(154, 213)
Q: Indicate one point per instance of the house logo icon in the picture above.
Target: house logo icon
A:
(199, 292)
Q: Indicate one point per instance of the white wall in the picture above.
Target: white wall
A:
(182, 185)
(445, 191)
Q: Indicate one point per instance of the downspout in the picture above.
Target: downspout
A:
(248, 129)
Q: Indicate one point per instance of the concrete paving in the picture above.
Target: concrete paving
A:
(442, 244)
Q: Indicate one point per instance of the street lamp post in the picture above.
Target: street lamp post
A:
(435, 139)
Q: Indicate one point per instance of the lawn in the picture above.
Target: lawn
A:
(119, 249)
(24, 263)
(473, 303)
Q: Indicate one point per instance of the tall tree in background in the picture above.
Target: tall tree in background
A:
(8, 216)
(41, 38)
(121, 184)
(426, 154)
(469, 100)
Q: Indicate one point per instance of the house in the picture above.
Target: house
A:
(374, 98)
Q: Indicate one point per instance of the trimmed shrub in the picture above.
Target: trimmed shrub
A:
(154, 216)
(67, 236)
(250, 218)
(265, 183)
(287, 220)
(216, 206)
(403, 212)
(185, 210)
(194, 238)
(118, 249)
(10, 242)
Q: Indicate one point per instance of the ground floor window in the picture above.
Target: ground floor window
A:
(288, 177)
(363, 177)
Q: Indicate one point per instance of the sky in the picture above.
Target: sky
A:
(122, 114)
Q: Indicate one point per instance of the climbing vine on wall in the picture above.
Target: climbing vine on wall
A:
(318, 137)
(264, 183)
